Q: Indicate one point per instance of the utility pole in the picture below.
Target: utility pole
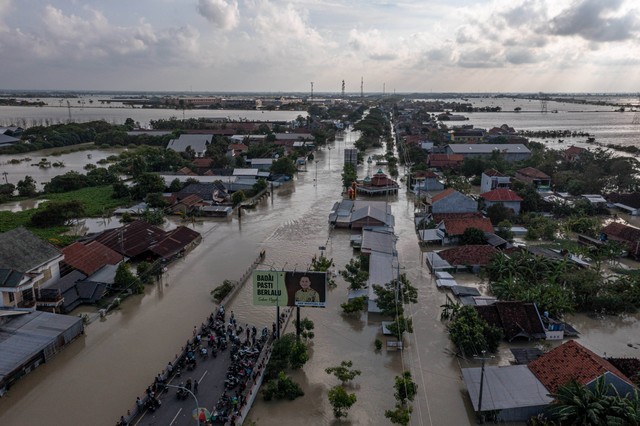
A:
(312, 90)
(343, 89)
(483, 358)
(362, 88)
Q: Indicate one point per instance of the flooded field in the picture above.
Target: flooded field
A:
(98, 377)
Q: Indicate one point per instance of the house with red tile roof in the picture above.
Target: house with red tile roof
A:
(573, 153)
(453, 228)
(572, 361)
(533, 177)
(88, 257)
(187, 204)
(519, 392)
(625, 234)
(445, 161)
(451, 201)
(471, 256)
(503, 196)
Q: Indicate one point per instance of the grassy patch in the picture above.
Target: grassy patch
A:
(97, 202)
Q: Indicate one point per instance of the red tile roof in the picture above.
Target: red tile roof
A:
(88, 258)
(494, 172)
(572, 150)
(571, 361)
(175, 241)
(202, 162)
(500, 194)
(132, 239)
(457, 226)
(533, 173)
(622, 231)
(238, 147)
(445, 160)
(442, 195)
(468, 255)
(424, 174)
(517, 319)
(186, 171)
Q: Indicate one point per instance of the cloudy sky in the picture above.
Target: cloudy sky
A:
(280, 46)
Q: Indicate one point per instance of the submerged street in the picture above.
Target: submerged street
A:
(98, 377)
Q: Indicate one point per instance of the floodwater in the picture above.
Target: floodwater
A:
(97, 378)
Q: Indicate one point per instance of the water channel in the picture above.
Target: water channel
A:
(97, 377)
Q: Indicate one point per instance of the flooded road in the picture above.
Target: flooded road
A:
(97, 378)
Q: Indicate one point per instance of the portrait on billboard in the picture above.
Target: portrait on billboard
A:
(306, 288)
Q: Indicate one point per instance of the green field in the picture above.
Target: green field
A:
(97, 202)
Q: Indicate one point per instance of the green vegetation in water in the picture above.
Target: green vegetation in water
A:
(220, 292)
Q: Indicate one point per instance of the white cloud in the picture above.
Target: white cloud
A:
(220, 13)
(373, 44)
(594, 20)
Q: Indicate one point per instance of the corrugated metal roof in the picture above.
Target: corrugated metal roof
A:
(26, 335)
(378, 241)
(504, 388)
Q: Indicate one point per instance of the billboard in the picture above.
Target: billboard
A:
(289, 288)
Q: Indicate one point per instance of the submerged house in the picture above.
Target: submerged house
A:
(627, 235)
(26, 263)
(451, 201)
(378, 184)
(519, 392)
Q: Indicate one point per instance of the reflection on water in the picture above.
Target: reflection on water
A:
(18, 206)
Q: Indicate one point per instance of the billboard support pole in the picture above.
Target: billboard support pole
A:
(278, 322)
(298, 322)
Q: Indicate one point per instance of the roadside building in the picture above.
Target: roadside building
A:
(509, 152)
(628, 236)
(630, 203)
(506, 197)
(190, 143)
(31, 338)
(573, 153)
(534, 177)
(27, 262)
(492, 179)
(445, 161)
(451, 201)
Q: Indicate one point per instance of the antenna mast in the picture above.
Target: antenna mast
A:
(312, 90)
(343, 88)
(362, 87)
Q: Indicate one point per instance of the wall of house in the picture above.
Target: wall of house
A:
(489, 183)
(50, 272)
(5, 300)
(520, 414)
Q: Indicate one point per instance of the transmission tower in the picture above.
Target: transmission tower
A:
(312, 90)
(362, 88)
(636, 117)
(384, 86)
(543, 103)
(343, 89)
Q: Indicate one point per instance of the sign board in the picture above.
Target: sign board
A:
(289, 288)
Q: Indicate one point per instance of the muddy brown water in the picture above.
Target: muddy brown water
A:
(97, 378)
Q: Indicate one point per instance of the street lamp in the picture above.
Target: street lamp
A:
(329, 148)
(315, 183)
(194, 397)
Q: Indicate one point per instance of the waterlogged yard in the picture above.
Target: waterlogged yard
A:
(96, 202)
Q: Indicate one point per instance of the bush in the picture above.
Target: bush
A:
(281, 388)
(220, 292)
(355, 305)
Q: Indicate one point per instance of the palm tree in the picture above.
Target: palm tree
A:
(576, 404)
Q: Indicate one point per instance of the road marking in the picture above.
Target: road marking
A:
(176, 416)
(205, 373)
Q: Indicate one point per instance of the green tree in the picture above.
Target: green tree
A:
(125, 279)
(238, 197)
(471, 334)
(499, 213)
(355, 275)
(349, 175)
(399, 416)
(576, 404)
(284, 166)
(504, 230)
(344, 372)
(57, 213)
(27, 187)
(405, 388)
(341, 401)
(175, 185)
(147, 183)
(282, 387)
(392, 297)
(473, 236)
(355, 305)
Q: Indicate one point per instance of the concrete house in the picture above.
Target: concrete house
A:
(451, 201)
(28, 262)
(492, 179)
(506, 197)
(534, 177)
(196, 143)
(510, 152)
(426, 181)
